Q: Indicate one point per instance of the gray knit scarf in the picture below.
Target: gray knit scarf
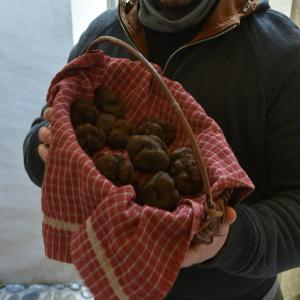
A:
(154, 16)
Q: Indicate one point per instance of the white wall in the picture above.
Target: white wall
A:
(36, 37)
(83, 12)
(282, 5)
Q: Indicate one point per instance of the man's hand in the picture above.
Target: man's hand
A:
(199, 253)
(44, 136)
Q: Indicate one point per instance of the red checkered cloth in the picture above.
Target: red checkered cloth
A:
(123, 250)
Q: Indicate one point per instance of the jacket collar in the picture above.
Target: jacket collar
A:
(227, 14)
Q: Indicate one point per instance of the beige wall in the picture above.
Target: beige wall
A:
(295, 14)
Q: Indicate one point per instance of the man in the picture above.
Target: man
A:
(241, 61)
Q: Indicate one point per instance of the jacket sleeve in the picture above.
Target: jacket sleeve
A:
(265, 239)
(104, 24)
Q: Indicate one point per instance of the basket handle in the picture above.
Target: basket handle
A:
(174, 104)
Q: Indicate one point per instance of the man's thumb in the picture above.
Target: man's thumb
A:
(230, 216)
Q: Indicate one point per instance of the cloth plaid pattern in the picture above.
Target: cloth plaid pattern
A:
(123, 250)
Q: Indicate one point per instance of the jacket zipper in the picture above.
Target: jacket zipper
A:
(126, 33)
(250, 4)
(185, 46)
(198, 42)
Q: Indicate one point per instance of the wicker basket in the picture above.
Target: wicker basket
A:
(214, 208)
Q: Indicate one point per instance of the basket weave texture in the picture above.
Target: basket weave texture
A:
(123, 250)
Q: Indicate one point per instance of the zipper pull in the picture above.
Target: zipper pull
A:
(128, 5)
(250, 4)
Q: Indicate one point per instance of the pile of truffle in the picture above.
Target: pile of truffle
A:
(140, 154)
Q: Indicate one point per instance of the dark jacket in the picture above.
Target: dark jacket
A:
(244, 69)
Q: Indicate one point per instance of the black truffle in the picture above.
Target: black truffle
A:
(90, 138)
(148, 153)
(184, 170)
(107, 122)
(158, 128)
(115, 168)
(109, 103)
(83, 111)
(160, 192)
(118, 137)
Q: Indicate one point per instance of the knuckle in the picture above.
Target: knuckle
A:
(41, 133)
(42, 151)
(46, 114)
(44, 134)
